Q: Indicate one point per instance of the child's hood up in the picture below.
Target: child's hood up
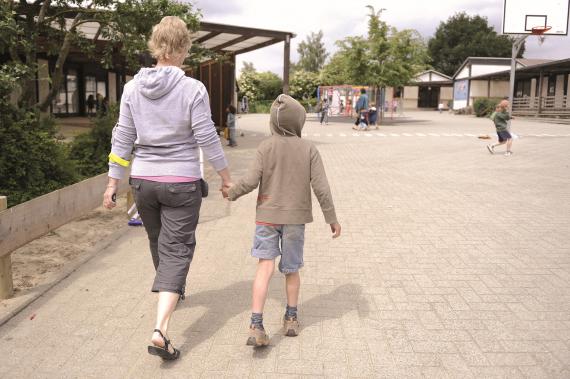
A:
(287, 116)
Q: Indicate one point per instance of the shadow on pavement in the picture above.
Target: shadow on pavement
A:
(225, 303)
(333, 303)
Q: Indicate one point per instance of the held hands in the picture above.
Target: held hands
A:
(226, 189)
(335, 229)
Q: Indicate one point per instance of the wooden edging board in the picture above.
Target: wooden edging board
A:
(27, 221)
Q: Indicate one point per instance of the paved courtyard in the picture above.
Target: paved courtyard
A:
(453, 263)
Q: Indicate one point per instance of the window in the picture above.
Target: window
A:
(95, 92)
(551, 85)
(59, 103)
(398, 92)
(72, 92)
(67, 99)
(523, 88)
(90, 94)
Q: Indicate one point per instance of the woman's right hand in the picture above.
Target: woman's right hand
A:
(109, 197)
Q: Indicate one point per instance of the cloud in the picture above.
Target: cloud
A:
(341, 19)
(214, 8)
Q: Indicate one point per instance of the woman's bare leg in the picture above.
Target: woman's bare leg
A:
(166, 304)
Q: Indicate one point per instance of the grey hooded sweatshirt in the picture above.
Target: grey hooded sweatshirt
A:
(285, 169)
(165, 116)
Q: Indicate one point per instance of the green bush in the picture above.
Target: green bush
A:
(260, 106)
(32, 161)
(309, 104)
(90, 151)
(483, 107)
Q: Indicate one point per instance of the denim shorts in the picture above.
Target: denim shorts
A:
(286, 241)
(504, 135)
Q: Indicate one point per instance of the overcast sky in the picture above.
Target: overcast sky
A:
(339, 19)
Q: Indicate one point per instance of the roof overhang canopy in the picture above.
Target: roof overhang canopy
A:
(550, 68)
(236, 40)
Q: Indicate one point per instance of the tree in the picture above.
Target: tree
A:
(248, 67)
(56, 27)
(336, 71)
(355, 56)
(32, 161)
(303, 84)
(312, 53)
(463, 36)
(259, 85)
(385, 57)
(270, 85)
(248, 84)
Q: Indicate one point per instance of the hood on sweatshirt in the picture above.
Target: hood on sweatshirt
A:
(156, 82)
(287, 116)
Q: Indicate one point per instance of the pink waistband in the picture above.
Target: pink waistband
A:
(168, 179)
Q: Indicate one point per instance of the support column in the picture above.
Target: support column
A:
(6, 284)
(540, 80)
(286, 64)
(515, 52)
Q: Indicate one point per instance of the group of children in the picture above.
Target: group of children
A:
(366, 119)
(366, 116)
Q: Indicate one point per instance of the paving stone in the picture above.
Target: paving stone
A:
(453, 263)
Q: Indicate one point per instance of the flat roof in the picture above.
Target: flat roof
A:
(221, 38)
(237, 39)
(552, 67)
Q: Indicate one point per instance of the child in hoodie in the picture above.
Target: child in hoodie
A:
(285, 168)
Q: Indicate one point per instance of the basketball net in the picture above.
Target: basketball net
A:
(539, 32)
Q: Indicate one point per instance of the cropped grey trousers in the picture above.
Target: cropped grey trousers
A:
(169, 212)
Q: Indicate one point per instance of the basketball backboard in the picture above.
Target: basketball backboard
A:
(520, 16)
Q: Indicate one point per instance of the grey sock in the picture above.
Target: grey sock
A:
(290, 312)
(257, 320)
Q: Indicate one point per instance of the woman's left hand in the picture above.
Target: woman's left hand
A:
(225, 189)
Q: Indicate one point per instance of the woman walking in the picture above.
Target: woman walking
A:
(165, 116)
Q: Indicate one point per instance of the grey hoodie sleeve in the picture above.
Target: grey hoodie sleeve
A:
(124, 136)
(321, 187)
(205, 131)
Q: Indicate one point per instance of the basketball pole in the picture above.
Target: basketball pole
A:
(517, 45)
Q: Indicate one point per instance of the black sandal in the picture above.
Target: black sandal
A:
(164, 352)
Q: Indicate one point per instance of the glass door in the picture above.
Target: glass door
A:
(67, 99)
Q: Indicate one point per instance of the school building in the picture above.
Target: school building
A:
(87, 83)
(541, 87)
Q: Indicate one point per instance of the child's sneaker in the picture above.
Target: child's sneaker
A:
(491, 149)
(257, 337)
(508, 153)
(291, 326)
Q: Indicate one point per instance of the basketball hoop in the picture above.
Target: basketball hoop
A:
(539, 32)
